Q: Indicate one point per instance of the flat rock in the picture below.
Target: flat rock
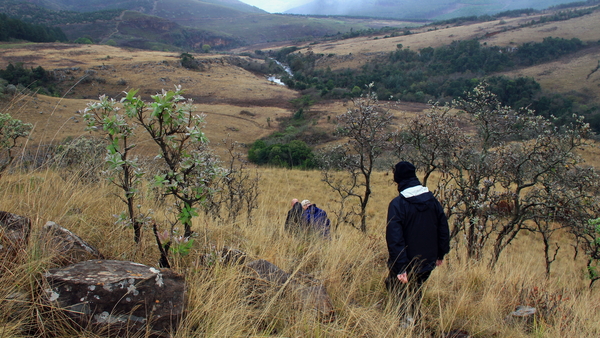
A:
(118, 297)
(268, 271)
(65, 246)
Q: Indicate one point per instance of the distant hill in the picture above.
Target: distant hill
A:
(185, 24)
(418, 9)
(144, 6)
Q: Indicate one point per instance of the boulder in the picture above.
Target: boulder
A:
(306, 292)
(268, 271)
(65, 246)
(14, 232)
(315, 298)
(118, 297)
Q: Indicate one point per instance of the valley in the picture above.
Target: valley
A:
(527, 195)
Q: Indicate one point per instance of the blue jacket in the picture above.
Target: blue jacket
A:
(417, 232)
(316, 219)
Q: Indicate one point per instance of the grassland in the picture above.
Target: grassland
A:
(460, 296)
(505, 32)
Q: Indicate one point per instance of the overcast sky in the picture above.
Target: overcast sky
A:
(279, 6)
(276, 6)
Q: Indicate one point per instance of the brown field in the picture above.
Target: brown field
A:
(568, 74)
(221, 91)
(351, 53)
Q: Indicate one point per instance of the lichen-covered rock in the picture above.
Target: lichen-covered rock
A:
(119, 297)
(14, 231)
(65, 246)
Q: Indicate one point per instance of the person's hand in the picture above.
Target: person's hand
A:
(439, 262)
(403, 278)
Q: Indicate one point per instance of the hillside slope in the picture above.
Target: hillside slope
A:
(224, 24)
(145, 6)
(417, 9)
(352, 53)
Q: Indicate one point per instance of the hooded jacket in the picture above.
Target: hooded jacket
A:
(417, 232)
(317, 220)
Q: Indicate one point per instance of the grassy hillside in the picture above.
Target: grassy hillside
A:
(459, 297)
(414, 9)
(222, 24)
(139, 5)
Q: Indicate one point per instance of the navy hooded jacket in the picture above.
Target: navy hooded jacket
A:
(417, 232)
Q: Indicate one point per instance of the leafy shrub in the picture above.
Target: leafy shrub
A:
(11, 130)
(34, 78)
(83, 41)
(295, 154)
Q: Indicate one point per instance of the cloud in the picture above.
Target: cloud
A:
(276, 6)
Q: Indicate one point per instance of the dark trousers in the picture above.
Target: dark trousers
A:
(406, 298)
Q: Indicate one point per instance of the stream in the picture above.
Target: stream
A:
(275, 78)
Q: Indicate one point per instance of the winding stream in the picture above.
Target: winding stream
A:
(275, 78)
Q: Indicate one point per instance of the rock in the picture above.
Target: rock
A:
(14, 233)
(67, 247)
(523, 315)
(16, 304)
(457, 334)
(306, 292)
(523, 311)
(315, 298)
(118, 297)
(233, 256)
(226, 256)
(268, 271)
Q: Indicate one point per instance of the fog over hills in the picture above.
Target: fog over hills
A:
(417, 9)
(145, 6)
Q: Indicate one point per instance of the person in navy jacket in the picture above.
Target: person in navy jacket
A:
(417, 237)
(315, 218)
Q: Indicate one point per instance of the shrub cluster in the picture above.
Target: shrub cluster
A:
(295, 154)
(442, 74)
(11, 28)
(33, 79)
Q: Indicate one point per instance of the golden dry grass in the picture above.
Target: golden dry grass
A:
(458, 296)
(221, 91)
(351, 53)
(571, 74)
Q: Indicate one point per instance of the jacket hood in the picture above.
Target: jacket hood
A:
(408, 183)
(417, 195)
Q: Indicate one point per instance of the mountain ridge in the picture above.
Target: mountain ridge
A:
(416, 9)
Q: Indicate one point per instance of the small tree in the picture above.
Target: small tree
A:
(499, 176)
(126, 174)
(191, 166)
(11, 130)
(237, 190)
(366, 128)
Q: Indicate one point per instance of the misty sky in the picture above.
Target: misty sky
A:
(280, 6)
(276, 6)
